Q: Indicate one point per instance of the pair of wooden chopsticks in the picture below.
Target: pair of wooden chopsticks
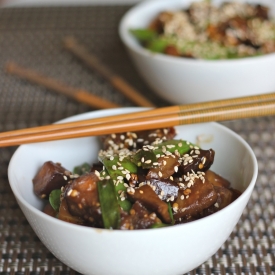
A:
(237, 108)
(81, 95)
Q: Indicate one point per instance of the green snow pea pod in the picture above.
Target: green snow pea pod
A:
(54, 199)
(109, 205)
(143, 34)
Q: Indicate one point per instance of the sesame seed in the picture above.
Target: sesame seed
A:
(170, 146)
(130, 190)
(74, 193)
(175, 207)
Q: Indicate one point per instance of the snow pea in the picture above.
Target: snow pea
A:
(109, 205)
(147, 156)
(54, 199)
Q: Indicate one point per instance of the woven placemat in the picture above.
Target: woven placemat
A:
(32, 37)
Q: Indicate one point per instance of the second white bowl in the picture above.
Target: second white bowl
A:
(181, 80)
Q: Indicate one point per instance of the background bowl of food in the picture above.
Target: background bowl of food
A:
(158, 241)
(202, 50)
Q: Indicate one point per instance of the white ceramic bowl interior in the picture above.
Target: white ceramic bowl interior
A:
(164, 251)
(181, 80)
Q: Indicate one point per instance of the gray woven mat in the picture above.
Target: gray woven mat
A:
(32, 37)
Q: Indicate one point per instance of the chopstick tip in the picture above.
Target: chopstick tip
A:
(10, 66)
(69, 41)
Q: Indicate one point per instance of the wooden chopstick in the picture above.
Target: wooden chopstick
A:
(137, 122)
(148, 113)
(80, 95)
(72, 45)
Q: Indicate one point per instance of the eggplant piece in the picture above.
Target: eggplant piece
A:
(48, 209)
(262, 12)
(138, 218)
(150, 136)
(134, 141)
(166, 167)
(225, 196)
(82, 199)
(147, 196)
(98, 166)
(192, 201)
(65, 215)
(216, 179)
(197, 160)
(50, 176)
(166, 189)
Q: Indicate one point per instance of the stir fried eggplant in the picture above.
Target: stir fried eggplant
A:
(51, 176)
(142, 180)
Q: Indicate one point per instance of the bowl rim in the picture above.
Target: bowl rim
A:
(92, 114)
(131, 43)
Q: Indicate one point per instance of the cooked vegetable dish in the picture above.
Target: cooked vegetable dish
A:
(206, 31)
(147, 179)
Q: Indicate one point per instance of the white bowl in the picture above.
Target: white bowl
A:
(182, 80)
(164, 251)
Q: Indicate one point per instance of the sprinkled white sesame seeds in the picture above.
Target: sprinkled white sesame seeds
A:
(97, 173)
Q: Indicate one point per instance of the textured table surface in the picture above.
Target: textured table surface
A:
(32, 37)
